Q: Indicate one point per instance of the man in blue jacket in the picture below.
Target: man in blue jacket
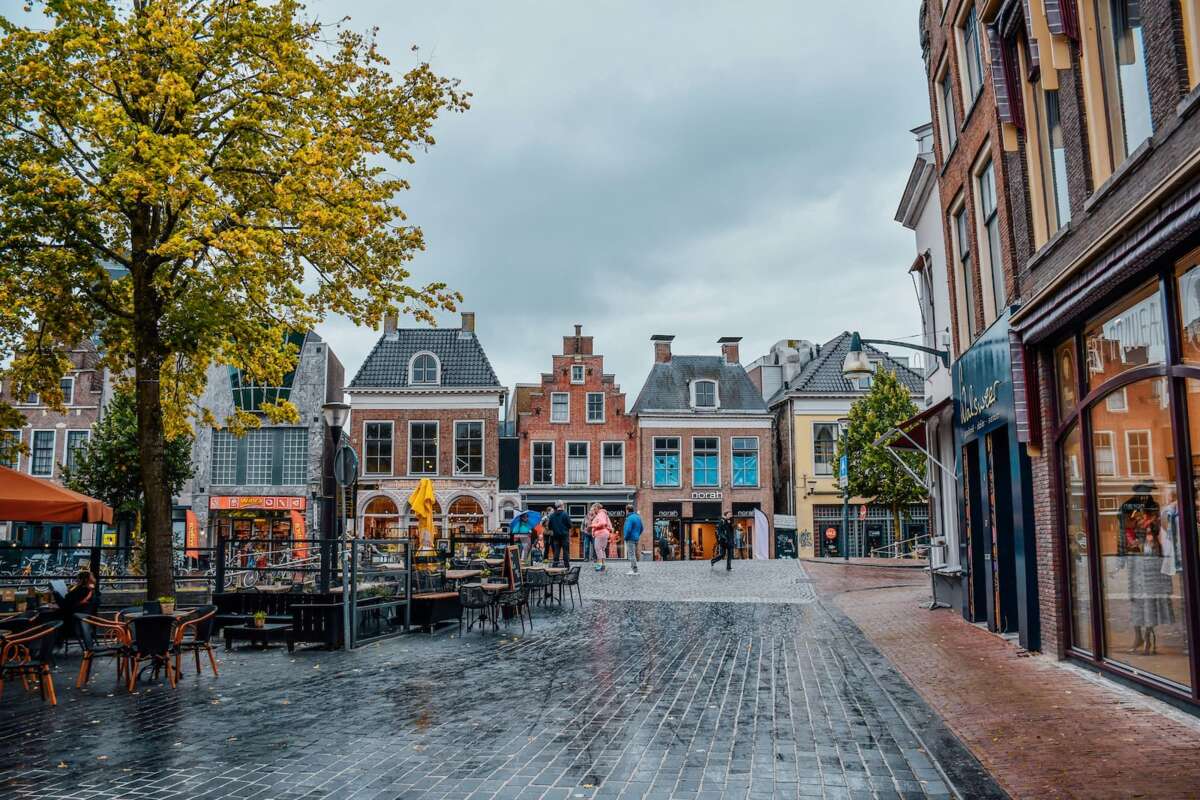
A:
(633, 532)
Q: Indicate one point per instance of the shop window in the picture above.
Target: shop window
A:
(560, 407)
(946, 119)
(706, 461)
(295, 457)
(224, 459)
(577, 463)
(1143, 614)
(1066, 377)
(666, 461)
(414, 530)
(542, 462)
(41, 459)
(1122, 53)
(76, 441)
(1104, 453)
(422, 448)
(613, 467)
(1127, 335)
(381, 519)
(466, 517)
(825, 436)
(1188, 282)
(745, 461)
(10, 456)
(989, 236)
(377, 442)
(971, 58)
(423, 369)
(468, 447)
(595, 407)
(1075, 518)
(259, 457)
(577, 373)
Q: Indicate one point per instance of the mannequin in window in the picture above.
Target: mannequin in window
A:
(1149, 589)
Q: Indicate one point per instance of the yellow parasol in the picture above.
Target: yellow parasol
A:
(421, 501)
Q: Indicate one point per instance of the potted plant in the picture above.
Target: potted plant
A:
(260, 619)
(167, 602)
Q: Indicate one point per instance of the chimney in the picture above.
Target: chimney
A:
(391, 321)
(729, 349)
(662, 348)
(577, 344)
(468, 321)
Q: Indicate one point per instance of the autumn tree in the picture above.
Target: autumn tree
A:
(873, 472)
(190, 180)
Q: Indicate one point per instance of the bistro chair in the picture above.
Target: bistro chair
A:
(28, 655)
(150, 642)
(17, 623)
(516, 601)
(571, 582)
(474, 598)
(195, 635)
(538, 586)
(100, 637)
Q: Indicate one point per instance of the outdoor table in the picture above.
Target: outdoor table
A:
(262, 636)
(455, 575)
(494, 562)
(274, 587)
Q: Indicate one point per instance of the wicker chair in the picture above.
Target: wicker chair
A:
(150, 641)
(195, 635)
(28, 655)
(101, 636)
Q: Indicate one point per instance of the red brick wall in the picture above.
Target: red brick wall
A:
(618, 425)
(446, 418)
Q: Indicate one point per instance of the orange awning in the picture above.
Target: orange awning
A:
(27, 499)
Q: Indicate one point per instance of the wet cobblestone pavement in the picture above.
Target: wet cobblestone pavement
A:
(638, 697)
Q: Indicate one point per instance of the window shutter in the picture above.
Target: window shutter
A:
(1034, 62)
(1061, 18)
(1000, 85)
(1012, 81)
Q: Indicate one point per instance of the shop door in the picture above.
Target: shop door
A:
(1004, 576)
(977, 555)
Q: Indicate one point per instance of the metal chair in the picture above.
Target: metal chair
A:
(28, 655)
(571, 582)
(195, 635)
(150, 641)
(538, 586)
(474, 598)
(518, 602)
(101, 636)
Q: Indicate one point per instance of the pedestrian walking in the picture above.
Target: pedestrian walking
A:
(601, 532)
(587, 541)
(724, 541)
(632, 532)
(560, 535)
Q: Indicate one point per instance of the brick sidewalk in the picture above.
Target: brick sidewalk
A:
(1040, 728)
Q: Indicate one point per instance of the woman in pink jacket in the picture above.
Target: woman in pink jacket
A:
(601, 531)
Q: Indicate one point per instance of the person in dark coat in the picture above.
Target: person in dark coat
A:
(725, 535)
(560, 535)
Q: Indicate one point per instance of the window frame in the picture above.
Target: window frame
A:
(437, 448)
(20, 438)
(533, 457)
(677, 450)
(1112, 448)
(604, 458)
(587, 408)
(817, 425)
(734, 450)
(74, 433)
(567, 419)
(714, 452)
(68, 396)
(587, 462)
(947, 118)
(968, 17)
(578, 381)
(964, 294)
(33, 451)
(984, 164)
(482, 445)
(412, 369)
(391, 439)
(213, 478)
(1149, 452)
(695, 385)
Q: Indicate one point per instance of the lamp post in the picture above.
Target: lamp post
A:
(336, 415)
(844, 473)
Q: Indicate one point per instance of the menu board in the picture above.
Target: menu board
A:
(512, 566)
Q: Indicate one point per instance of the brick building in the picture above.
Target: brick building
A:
(1095, 102)
(577, 440)
(705, 446)
(50, 437)
(426, 404)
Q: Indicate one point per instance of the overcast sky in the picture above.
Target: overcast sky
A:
(700, 169)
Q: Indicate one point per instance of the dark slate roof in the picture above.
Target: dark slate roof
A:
(823, 375)
(666, 387)
(463, 362)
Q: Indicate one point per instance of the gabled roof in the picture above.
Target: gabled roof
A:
(667, 387)
(463, 362)
(823, 375)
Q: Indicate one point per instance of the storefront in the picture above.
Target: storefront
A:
(258, 527)
(997, 548)
(668, 531)
(871, 528)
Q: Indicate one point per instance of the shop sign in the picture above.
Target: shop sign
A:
(666, 514)
(983, 383)
(191, 535)
(862, 512)
(744, 513)
(707, 495)
(830, 534)
(279, 503)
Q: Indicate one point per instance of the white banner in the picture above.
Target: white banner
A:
(762, 530)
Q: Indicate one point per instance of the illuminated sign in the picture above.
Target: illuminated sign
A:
(234, 502)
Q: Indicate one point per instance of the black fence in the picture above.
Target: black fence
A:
(117, 569)
(376, 582)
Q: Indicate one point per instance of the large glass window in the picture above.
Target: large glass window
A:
(595, 407)
(223, 471)
(706, 461)
(381, 519)
(422, 448)
(76, 441)
(468, 447)
(745, 461)
(1138, 531)
(560, 407)
(466, 517)
(42, 455)
(542, 462)
(1128, 335)
(1075, 517)
(613, 468)
(824, 447)
(377, 442)
(577, 462)
(260, 449)
(1188, 283)
(972, 56)
(1066, 377)
(666, 461)
(1126, 87)
(295, 456)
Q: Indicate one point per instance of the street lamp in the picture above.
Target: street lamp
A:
(337, 414)
(844, 473)
(857, 365)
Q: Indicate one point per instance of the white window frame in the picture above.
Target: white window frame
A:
(392, 426)
(68, 398)
(1149, 453)
(582, 374)
(620, 444)
(716, 394)
(960, 41)
(587, 408)
(568, 417)
(19, 437)
(437, 369)
(587, 464)
(733, 484)
(947, 123)
(87, 437)
(437, 457)
(33, 451)
(1117, 408)
(25, 402)
(482, 445)
(1112, 447)
(716, 485)
(833, 461)
(678, 450)
(532, 464)
(966, 326)
(991, 309)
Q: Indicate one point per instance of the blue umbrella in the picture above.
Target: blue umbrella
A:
(524, 521)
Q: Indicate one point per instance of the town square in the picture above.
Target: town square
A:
(599, 400)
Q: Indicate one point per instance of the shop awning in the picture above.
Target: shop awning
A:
(24, 498)
(910, 434)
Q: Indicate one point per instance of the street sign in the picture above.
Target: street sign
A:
(843, 470)
(345, 466)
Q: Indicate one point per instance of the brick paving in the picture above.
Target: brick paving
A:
(1042, 728)
(650, 698)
